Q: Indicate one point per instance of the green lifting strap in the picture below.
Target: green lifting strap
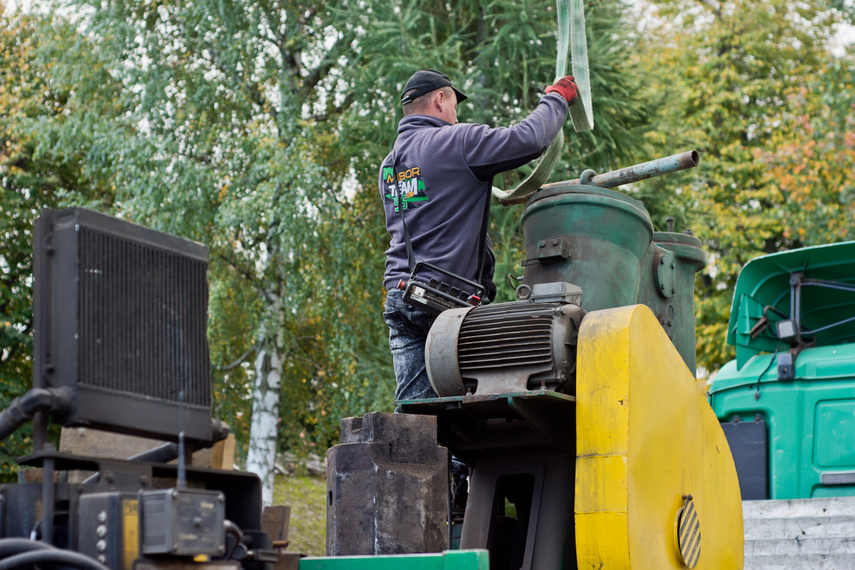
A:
(571, 31)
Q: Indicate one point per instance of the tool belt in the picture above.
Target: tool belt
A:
(435, 296)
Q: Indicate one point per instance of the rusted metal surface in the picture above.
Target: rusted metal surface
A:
(643, 171)
(387, 487)
(521, 509)
(614, 255)
(475, 426)
(422, 406)
(607, 234)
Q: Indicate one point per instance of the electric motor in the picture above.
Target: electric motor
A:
(507, 347)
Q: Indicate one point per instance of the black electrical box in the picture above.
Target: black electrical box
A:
(182, 522)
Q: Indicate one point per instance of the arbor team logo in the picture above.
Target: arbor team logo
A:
(409, 185)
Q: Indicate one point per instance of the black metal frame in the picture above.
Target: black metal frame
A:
(58, 351)
(797, 281)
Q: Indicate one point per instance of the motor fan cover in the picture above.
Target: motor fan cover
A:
(504, 348)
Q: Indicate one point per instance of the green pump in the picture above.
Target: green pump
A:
(602, 241)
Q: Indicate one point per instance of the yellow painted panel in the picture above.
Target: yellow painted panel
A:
(601, 485)
(605, 426)
(631, 381)
(607, 532)
(130, 526)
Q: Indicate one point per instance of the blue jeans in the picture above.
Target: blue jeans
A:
(408, 329)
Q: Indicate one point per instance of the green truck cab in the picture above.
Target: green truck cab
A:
(787, 402)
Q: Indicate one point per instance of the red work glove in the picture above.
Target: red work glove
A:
(566, 88)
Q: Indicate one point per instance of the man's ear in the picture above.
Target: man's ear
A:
(439, 100)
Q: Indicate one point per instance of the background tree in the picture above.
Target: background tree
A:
(257, 128)
(735, 77)
(223, 101)
(502, 54)
(811, 158)
(49, 157)
(16, 210)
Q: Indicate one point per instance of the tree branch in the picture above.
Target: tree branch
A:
(239, 361)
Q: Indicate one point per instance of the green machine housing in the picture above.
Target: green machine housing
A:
(787, 402)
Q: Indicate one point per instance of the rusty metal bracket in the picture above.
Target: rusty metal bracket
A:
(550, 250)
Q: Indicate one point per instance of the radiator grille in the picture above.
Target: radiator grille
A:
(502, 337)
(142, 319)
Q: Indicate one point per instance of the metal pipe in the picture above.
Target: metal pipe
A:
(28, 406)
(658, 167)
(161, 454)
(48, 496)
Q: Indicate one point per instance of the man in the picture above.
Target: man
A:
(444, 171)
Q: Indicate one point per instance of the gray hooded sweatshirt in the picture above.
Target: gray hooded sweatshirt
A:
(445, 173)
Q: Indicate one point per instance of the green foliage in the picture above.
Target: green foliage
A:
(846, 8)
(16, 211)
(224, 118)
(233, 320)
(47, 159)
(811, 158)
(734, 77)
(267, 120)
(502, 54)
(257, 128)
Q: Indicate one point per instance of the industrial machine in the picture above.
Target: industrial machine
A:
(121, 344)
(589, 441)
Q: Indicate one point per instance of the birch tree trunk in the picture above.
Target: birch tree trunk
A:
(265, 419)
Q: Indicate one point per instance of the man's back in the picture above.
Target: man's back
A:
(446, 173)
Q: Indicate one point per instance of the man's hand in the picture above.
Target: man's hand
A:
(566, 87)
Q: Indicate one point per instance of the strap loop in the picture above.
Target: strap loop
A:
(571, 30)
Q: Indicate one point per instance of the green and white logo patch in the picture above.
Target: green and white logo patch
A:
(409, 185)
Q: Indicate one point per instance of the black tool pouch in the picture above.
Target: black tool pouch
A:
(435, 296)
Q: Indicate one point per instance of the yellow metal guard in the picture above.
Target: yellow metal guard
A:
(648, 446)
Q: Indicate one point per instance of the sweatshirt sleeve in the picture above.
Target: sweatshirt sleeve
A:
(490, 151)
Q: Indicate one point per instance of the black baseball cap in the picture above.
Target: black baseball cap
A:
(425, 81)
